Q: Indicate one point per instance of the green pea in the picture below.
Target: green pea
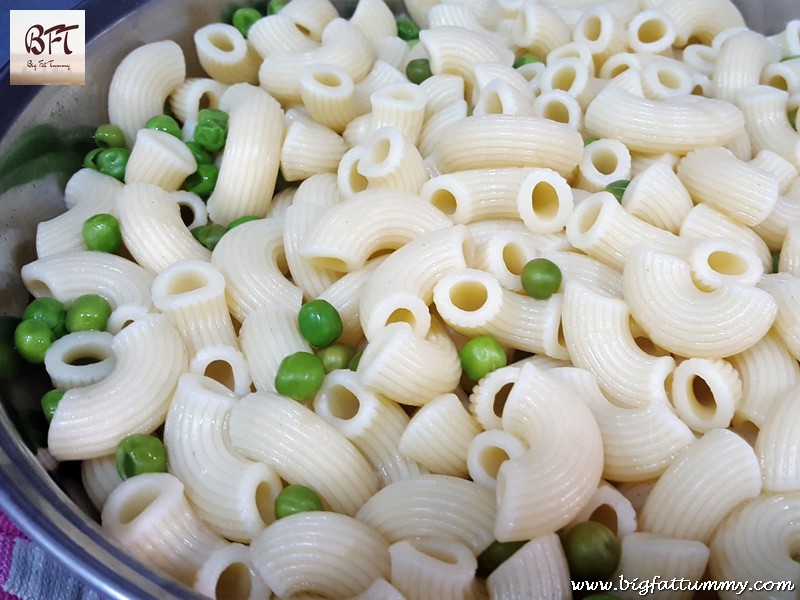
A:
(140, 453)
(109, 136)
(412, 43)
(355, 361)
(300, 376)
(164, 123)
(90, 160)
(48, 310)
(50, 402)
(32, 338)
(202, 181)
(319, 323)
(336, 356)
(526, 59)
(89, 312)
(495, 555)
(418, 70)
(588, 140)
(210, 135)
(295, 499)
(112, 162)
(776, 259)
(617, 188)
(10, 361)
(541, 278)
(201, 155)
(215, 115)
(244, 19)
(592, 551)
(275, 6)
(209, 235)
(480, 356)
(226, 14)
(241, 220)
(101, 232)
(407, 29)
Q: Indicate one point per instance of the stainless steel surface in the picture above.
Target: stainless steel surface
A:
(45, 501)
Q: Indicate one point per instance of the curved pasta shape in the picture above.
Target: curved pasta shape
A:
(159, 158)
(303, 449)
(611, 508)
(438, 124)
(152, 228)
(309, 148)
(741, 60)
(437, 506)
(598, 337)
(251, 156)
(544, 489)
(375, 19)
(91, 420)
(646, 555)
(252, 259)
(539, 29)
(380, 588)
(677, 316)
(312, 16)
(123, 283)
(329, 95)
(439, 435)
(473, 303)
(299, 218)
(575, 266)
(321, 553)
(391, 161)
(225, 54)
(537, 570)
(231, 567)
(544, 201)
(387, 220)
(558, 105)
(142, 83)
(504, 254)
(651, 31)
(638, 443)
(685, 122)
(678, 507)
(775, 445)
(401, 287)
(345, 294)
(764, 109)
(88, 192)
(488, 451)
(66, 359)
(373, 423)
(99, 477)
(500, 141)
(195, 93)
(703, 21)
(233, 496)
(769, 524)
(657, 196)
(604, 161)
(397, 105)
(435, 568)
(501, 98)
(705, 393)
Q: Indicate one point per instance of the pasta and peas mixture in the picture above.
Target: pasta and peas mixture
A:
(459, 306)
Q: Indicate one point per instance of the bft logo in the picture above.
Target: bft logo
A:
(47, 47)
(36, 42)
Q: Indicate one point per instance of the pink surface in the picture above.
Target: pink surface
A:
(9, 533)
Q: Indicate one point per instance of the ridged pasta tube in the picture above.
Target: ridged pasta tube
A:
(775, 445)
(278, 33)
(233, 496)
(539, 29)
(705, 393)
(149, 515)
(678, 316)
(611, 508)
(225, 55)
(703, 21)
(741, 60)
(194, 94)
(657, 196)
(159, 158)
(309, 148)
(80, 358)
(488, 451)
(541, 491)
(303, 448)
(537, 570)
(231, 568)
(91, 420)
(99, 477)
(764, 109)
(391, 161)
(679, 507)
(321, 553)
(328, 93)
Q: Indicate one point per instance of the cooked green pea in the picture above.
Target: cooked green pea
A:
(32, 338)
(241, 220)
(216, 115)
(226, 14)
(210, 135)
(164, 123)
(50, 402)
(201, 155)
(109, 136)
(89, 312)
(295, 499)
(495, 555)
(209, 235)
(113, 161)
(244, 19)
(101, 232)
(202, 181)
(90, 160)
(48, 310)
(541, 278)
(275, 6)
(418, 70)
(319, 323)
(480, 356)
(412, 43)
(592, 551)
(336, 356)
(355, 361)
(407, 29)
(140, 453)
(10, 361)
(617, 188)
(526, 59)
(299, 376)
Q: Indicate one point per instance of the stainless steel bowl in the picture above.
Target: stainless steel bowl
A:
(46, 500)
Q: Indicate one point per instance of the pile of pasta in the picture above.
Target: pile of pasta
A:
(657, 391)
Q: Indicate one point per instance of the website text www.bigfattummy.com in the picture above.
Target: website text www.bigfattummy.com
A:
(643, 587)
